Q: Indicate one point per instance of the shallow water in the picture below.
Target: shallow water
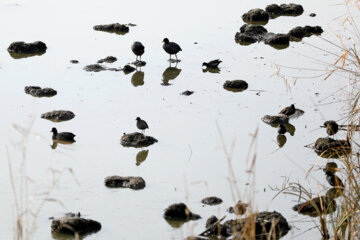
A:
(188, 163)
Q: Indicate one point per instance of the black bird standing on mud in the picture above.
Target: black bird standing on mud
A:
(212, 64)
(171, 47)
(62, 136)
(334, 180)
(141, 124)
(288, 110)
(331, 127)
(138, 49)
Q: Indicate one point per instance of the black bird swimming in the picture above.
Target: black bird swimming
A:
(212, 64)
(141, 124)
(331, 127)
(138, 49)
(288, 110)
(171, 47)
(62, 136)
(334, 180)
(281, 129)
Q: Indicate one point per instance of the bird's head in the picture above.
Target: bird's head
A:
(137, 119)
(53, 130)
(166, 40)
(204, 64)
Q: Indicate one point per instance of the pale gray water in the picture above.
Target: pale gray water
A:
(188, 162)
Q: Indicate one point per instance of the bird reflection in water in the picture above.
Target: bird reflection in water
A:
(282, 130)
(211, 70)
(170, 74)
(137, 79)
(141, 157)
(55, 143)
(281, 140)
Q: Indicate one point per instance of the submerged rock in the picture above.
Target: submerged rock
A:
(36, 91)
(316, 206)
(235, 85)
(94, 68)
(58, 115)
(275, 120)
(108, 59)
(72, 225)
(256, 15)
(27, 48)
(135, 183)
(137, 139)
(112, 28)
(187, 93)
(267, 225)
(250, 34)
(291, 9)
(179, 211)
(212, 201)
(331, 148)
(277, 39)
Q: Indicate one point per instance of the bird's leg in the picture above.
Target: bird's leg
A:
(170, 57)
(176, 57)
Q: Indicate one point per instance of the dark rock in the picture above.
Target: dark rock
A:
(313, 30)
(245, 39)
(212, 201)
(74, 61)
(137, 140)
(112, 28)
(331, 148)
(278, 39)
(128, 69)
(135, 183)
(179, 211)
(275, 120)
(250, 34)
(187, 93)
(298, 33)
(235, 85)
(256, 15)
(312, 14)
(71, 225)
(253, 29)
(267, 225)
(108, 59)
(36, 91)
(58, 115)
(316, 206)
(27, 48)
(94, 68)
(291, 9)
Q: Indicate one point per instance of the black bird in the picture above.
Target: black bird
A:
(138, 49)
(334, 180)
(331, 127)
(171, 47)
(281, 129)
(212, 64)
(62, 136)
(288, 110)
(141, 124)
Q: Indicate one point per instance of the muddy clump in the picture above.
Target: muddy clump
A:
(212, 201)
(275, 120)
(179, 212)
(58, 115)
(72, 225)
(235, 85)
(267, 224)
(36, 91)
(135, 183)
(94, 68)
(257, 16)
(112, 28)
(316, 206)
(298, 33)
(137, 139)
(27, 48)
(73, 61)
(250, 34)
(291, 9)
(187, 93)
(331, 148)
(108, 59)
(277, 39)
